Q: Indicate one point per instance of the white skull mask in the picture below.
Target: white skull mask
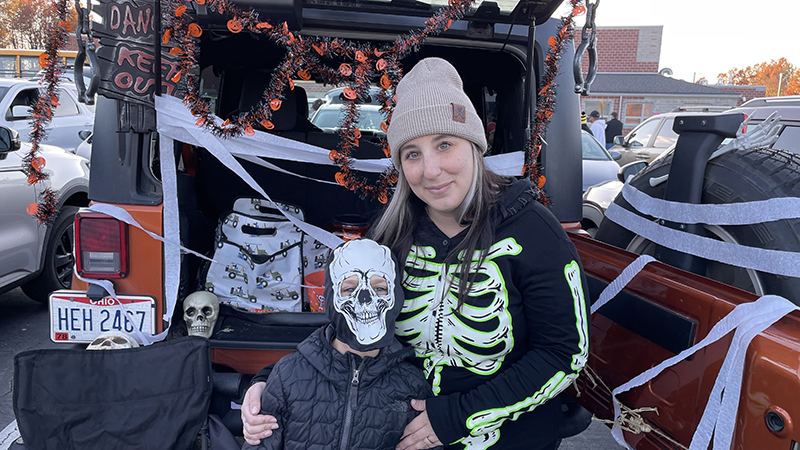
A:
(200, 312)
(364, 310)
(112, 340)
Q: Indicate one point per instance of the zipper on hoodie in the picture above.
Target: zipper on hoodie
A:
(352, 402)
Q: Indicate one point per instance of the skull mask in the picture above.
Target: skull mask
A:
(112, 340)
(200, 312)
(363, 309)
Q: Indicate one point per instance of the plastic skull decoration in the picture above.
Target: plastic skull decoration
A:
(200, 312)
(112, 340)
(364, 310)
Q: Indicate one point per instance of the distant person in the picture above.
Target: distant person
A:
(584, 125)
(598, 126)
(613, 129)
(315, 106)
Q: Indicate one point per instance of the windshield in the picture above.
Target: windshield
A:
(3, 91)
(592, 150)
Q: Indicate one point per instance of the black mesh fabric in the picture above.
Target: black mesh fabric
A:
(153, 397)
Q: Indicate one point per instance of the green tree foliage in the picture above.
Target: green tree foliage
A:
(767, 74)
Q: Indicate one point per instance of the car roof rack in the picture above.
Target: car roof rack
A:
(789, 100)
(701, 108)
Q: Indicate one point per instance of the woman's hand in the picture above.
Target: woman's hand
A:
(256, 426)
(419, 433)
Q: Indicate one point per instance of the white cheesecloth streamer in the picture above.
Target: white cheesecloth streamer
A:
(9, 434)
(719, 417)
(176, 121)
(764, 260)
(744, 213)
(619, 283)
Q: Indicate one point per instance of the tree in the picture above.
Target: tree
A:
(766, 74)
(29, 23)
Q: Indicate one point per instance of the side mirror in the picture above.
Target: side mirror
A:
(619, 140)
(615, 155)
(9, 140)
(84, 134)
(628, 170)
(20, 112)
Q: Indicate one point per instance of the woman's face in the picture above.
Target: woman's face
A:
(439, 169)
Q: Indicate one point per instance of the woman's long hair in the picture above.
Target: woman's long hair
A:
(395, 226)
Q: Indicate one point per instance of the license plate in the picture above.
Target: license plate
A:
(74, 317)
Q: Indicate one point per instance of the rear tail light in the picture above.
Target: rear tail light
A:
(101, 246)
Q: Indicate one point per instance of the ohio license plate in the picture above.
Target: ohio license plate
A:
(74, 317)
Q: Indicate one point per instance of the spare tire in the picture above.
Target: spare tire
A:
(737, 176)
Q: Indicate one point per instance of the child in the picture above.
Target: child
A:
(348, 384)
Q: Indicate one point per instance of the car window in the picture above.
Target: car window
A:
(592, 150)
(640, 136)
(328, 118)
(3, 92)
(332, 118)
(67, 106)
(789, 140)
(666, 136)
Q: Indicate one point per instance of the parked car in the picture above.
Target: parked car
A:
(653, 136)
(329, 118)
(69, 118)
(39, 258)
(598, 163)
(335, 96)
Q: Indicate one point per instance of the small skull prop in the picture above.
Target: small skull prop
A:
(364, 310)
(200, 312)
(112, 340)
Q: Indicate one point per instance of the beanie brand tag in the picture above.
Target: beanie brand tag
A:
(459, 113)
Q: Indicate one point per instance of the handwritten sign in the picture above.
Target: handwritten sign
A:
(127, 52)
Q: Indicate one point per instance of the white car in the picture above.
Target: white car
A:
(329, 118)
(69, 118)
(37, 257)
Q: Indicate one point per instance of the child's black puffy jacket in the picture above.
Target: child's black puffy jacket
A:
(325, 400)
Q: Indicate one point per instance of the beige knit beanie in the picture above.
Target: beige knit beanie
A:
(431, 100)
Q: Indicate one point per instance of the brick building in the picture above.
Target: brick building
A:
(628, 79)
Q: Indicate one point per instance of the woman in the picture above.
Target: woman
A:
(499, 334)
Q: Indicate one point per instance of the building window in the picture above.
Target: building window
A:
(601, 106)
(636, 112)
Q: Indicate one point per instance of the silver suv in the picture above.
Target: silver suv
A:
(39, 258)
(654, 136)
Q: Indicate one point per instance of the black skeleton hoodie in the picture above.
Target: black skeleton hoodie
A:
(520, 338)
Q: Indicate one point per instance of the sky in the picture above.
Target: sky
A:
(702, 38)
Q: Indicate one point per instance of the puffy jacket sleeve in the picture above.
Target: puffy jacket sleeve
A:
(553, 287)
(273, 402)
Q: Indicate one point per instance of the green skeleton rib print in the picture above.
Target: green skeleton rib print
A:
(480, 335)
(487, 421)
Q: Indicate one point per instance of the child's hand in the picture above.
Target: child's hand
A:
(256, 426)
(419, 433)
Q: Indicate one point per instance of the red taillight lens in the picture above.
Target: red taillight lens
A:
(101, 246)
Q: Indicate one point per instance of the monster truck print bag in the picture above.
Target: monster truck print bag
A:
(261, 258)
